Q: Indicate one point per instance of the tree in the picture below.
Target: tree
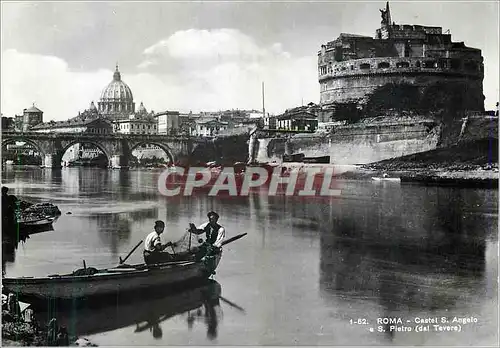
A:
(392, 96)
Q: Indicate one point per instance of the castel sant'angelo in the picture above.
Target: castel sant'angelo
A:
(422, 59)
(407, 89)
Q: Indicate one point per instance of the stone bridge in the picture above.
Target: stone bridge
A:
(117, 147)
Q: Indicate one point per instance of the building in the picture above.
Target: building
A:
(297, 120)
(234, 116)
(412, 64)
(30, 117)
(79, 124)
(8, 123)
(270, 122)
(168, 122)
(133, 125)
(253, 114)
(187, 124)
(212, 127)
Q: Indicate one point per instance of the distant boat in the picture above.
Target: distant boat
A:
(385, 177)
(319, 159)
(300, 157)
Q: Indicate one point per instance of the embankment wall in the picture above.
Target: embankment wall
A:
(357, 143)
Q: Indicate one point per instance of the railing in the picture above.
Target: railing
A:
(91, 135)
(390, 65)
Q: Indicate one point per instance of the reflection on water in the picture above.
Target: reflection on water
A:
(144, 312)
(11, 241)
(376, 251)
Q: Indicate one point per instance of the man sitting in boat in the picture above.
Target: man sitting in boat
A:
(214, 234)
(153, 249)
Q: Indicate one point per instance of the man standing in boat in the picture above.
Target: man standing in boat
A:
(214, 234)
(153, 249)
(9, 206)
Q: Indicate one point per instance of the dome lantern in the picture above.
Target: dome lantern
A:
(116, 75)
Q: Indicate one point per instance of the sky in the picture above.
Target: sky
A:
(205, 55)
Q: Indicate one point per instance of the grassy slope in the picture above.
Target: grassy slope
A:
(463, 156)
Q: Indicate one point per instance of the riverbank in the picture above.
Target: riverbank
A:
(444, 176)
(20, 329)
(23, 334)
(473, 163)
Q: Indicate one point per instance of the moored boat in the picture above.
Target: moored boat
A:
(34, 222)
(45, 209)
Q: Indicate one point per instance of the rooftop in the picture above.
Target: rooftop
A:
(74, 122)
(33, 109)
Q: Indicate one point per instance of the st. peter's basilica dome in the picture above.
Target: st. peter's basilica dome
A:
(117, 100)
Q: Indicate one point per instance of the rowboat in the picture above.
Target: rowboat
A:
(88, 282)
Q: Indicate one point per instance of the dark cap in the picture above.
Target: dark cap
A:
(213, 213)
(159, 223)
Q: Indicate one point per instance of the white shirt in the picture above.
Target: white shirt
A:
(152, 240)
(221, 233)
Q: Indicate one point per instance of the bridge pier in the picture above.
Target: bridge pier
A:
(52, 161)
(118, 162)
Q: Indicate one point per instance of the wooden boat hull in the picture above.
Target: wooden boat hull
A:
(36, 225)
(110, 281)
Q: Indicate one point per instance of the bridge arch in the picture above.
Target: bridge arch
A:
(33, 143)
(167, 149)
(90, 142)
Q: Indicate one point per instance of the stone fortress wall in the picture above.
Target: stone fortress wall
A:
(366, 142)
(356, 80)
(352, 67)
(379, 138)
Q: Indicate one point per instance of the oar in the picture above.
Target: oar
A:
(232, 239)
(130, 253)
(234, 305)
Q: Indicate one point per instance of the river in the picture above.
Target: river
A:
(307, 267)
